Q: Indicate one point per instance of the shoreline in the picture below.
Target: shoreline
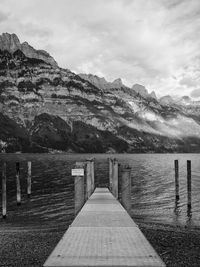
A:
(177, 246)
(30, 248)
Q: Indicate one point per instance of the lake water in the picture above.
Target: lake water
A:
(52, 201)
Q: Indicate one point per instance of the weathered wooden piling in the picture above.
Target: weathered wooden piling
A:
(18, 183)
(189, 186)
(115, 179)
(4, 197)
(126, 187)
(88, 178)
(93, 181)
(90, 183)
(176, 179)
(29, 180)
(110, 160)
(79, 188)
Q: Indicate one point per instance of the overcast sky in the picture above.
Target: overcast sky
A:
(155, 43)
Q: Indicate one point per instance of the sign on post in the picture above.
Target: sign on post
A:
(79, 188)
(78, 172)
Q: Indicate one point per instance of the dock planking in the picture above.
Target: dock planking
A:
(103, 234)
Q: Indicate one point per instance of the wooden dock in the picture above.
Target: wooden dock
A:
(103, 234)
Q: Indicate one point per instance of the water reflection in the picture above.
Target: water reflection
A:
(189, 214)
(178, 214)
(177, 208)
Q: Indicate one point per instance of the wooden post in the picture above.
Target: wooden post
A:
(18, 184)
(176, 179)
(189, 187)
(4, 200)
(126, 188)
(115, 179)
(79, 191)
(110, 173)
(93, 181)
(29, 180)
(88, 178)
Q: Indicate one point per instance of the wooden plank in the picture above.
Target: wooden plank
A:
(103, 234)
(101, 219)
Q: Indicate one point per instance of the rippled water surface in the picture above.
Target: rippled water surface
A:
(52, 201)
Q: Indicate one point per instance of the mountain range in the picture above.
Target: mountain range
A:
(45, 108)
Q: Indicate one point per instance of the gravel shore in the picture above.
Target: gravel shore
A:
(27, 248)
(177, 247)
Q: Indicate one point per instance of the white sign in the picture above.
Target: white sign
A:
(77, 172)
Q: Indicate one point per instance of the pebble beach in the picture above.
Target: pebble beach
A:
(177, 247)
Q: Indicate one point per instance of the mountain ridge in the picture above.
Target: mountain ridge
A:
(55, 109)
(11, 43)
(103, 84)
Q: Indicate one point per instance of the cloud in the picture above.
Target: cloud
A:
(31, 29)
(195, 93)
(140, 41)
(188, 81)
(3, 16)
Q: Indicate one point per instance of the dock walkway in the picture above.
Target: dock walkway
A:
(103, 234)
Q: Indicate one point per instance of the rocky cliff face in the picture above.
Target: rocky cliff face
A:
(47, 108)
(166, 100)
(117, 84)
(11, 43)
(101, 83)
(140, 89)
(153, 95)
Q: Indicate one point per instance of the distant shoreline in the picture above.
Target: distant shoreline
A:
(95, 153)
